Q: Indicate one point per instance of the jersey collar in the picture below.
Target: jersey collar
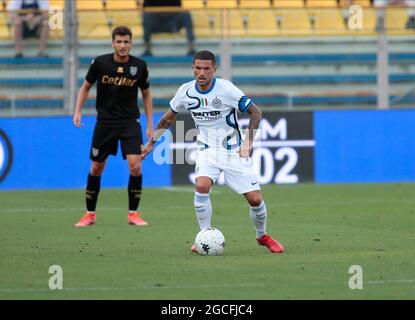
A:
(208, 90)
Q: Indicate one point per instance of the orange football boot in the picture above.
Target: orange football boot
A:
(135, 219)
(87, 220)
(273, 245)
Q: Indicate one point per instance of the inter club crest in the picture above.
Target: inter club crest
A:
(216, 103)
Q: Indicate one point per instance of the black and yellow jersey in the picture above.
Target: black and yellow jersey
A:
(117, 88)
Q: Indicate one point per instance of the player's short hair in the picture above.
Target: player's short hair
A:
(122, 31)
(204, 55)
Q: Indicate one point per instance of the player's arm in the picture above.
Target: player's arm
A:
(165, 122)
(255, 116)
(148, 109)
(83, 94)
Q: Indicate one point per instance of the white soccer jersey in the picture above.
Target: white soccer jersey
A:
(214, 112)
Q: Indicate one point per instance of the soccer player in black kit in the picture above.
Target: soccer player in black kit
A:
(118, 76)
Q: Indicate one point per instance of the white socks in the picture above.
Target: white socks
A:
(259, 218)
(203, 209)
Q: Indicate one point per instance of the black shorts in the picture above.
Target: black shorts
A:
(105, 141)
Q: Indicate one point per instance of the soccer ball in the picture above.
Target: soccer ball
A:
(210, 242)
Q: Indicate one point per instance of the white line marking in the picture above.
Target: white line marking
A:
(161, 286)
(220, 205)
(391, 281)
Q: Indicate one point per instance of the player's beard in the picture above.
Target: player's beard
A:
(203, 82)
(122, 54)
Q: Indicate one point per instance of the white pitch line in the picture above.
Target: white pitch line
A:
(28, 290)
(391, 281)
(282, 204)
(200, 286)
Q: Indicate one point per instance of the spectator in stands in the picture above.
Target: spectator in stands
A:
(169, 22)
(30, 19)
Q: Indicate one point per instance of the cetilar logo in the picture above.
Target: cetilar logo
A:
(6, 155)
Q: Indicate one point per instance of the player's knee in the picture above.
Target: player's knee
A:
(97, 169)
(202, 188)
(135, 168)
(255, 200)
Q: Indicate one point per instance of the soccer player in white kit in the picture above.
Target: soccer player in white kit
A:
(213, 104)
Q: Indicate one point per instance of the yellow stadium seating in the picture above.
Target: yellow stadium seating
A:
(254, 23)
(395, 21)
(57, 3)
(369, 21)
(89, 4)
(207, 23)
(288, 3)
(193, 4)
(121, 5)
(130, 18)
(328, 21)
(254, 4)
(222, 4)
(321, 4)
(93, 25)
(293, 22)
(4, 28)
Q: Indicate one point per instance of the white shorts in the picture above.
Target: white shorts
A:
(239, 172)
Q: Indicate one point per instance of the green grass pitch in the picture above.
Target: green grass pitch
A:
(324, 228)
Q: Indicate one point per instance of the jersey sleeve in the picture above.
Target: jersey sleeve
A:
(238, 99)
(93, 73)
(144, 81)
(177, 102)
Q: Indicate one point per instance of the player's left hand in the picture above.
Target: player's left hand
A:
(245, 150)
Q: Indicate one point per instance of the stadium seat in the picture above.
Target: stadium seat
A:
(395, 21)
(254, 4)
(369, 22)
(4, 28)
(131, 18)
(321, 3)
(89, 5)
(57, 3)
(255, 23)
(193, 4)
(326, 21)
(288, 4)
(121, 4)
(207, 23)
(293, 22)
(222, 4)
(93, 25)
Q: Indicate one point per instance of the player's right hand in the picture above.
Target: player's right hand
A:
(77, 120)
